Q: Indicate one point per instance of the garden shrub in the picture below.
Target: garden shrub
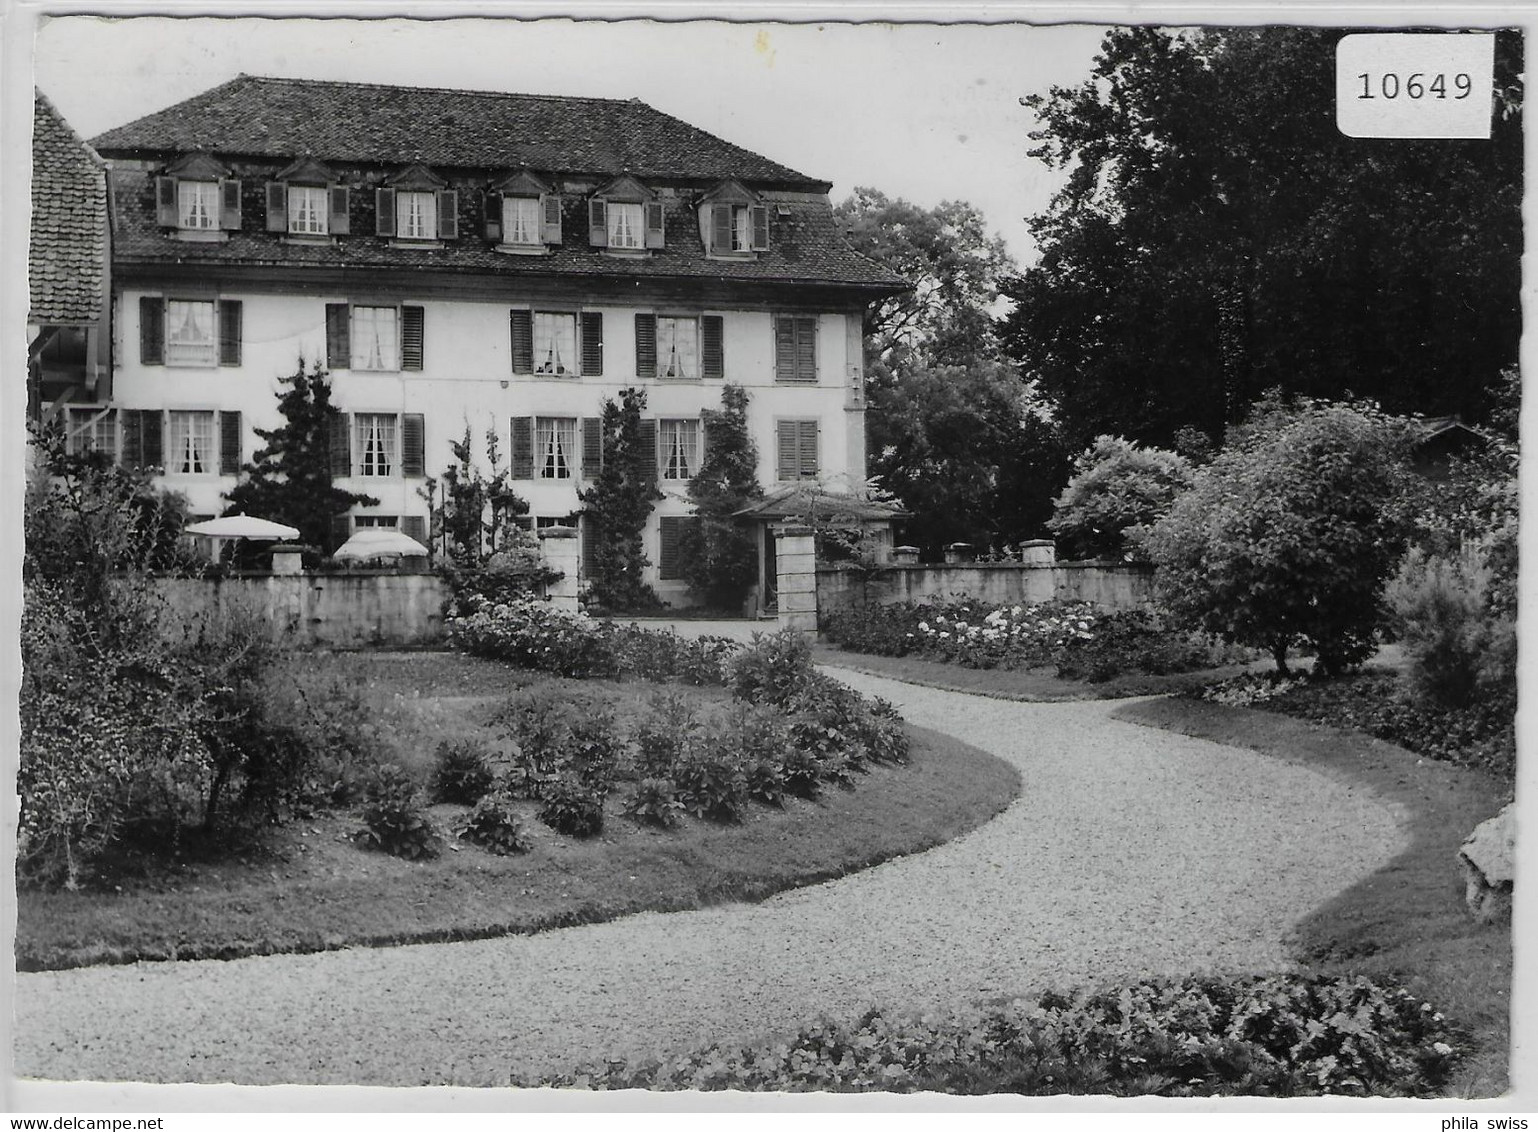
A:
(572, 807)
(494, 825)
(595, 747)
(464, 772)
(394, 820)
(667, 727)
(1272, 1035)
(654, 801)
(761, 739)
(711, 782)
(772, 669)
(1116, 487)
(801, 772)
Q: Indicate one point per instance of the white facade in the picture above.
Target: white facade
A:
(467, 378)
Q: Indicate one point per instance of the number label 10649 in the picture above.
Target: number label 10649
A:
(1391, 84)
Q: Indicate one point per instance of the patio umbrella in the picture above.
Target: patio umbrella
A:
(243, 526)
(380, 542)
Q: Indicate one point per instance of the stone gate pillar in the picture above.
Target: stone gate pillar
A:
(795, 557)
(558, 547)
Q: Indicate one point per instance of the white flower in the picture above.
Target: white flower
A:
(1442, 1048)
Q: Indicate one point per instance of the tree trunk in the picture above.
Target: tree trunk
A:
(1279, 654)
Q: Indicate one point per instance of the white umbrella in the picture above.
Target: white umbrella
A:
(242, 526)
(380, 542)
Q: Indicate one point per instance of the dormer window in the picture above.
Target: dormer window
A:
(197, 198)
(416, 206)
(624, 216)
(523, 214)
(733, 222)
(305, 202)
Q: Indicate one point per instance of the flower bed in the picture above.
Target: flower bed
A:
(1278, 1035)
(1079, 640)
(1482, 736)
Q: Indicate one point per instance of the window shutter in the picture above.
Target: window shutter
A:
(806, 349)
(151, 424)
(720, 227)
(230, 319)
(340, 221)
(152, 330)
(550, 205)
(808, 465)
(229, 443)
(448, 214)
(646, 345)
(784, 348)
(338, 337)
(786, 436)
(668, 529)
(229, 205)
(384, 212)
(415, 526)
(712, 346)
(592, 343)
(341, 529)
(760, 228)
(523, 448)
(165, 202)
(491, 212)
(589, 545)
(592, 447)
(131, 454)
(341, 446)
(597, 223)
(413, 446)
(411, 337)
(654, 230)
(522, 325)
(648, 439)
(277, 206)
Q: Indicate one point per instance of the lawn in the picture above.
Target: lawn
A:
(1408, 920)
(306, 886)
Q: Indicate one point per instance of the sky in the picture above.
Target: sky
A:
(928, 112)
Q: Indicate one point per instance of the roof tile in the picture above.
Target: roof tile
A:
(69, 222)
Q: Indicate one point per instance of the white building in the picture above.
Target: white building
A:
(456, 257)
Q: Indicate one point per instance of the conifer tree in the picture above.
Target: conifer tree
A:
(720, 553)
(289, 480)
(617, 506)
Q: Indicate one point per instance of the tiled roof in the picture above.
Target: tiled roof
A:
(255, 116)
(69, 222)
(806, 246)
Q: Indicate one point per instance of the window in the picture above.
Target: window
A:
(555, 447)
(190, 334)
(678, 448)
(93, 430)
(416, 215)
(626, 225)
(555, 343)
(364, 522)
(737, 229)
(375, 338)
(678, 347)
(197, 205)
(521, 221)
(378, 444)
(796, 450)
(309, 210)
(190, 444)
(795, 348)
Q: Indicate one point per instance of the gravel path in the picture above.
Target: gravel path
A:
(1131, 851)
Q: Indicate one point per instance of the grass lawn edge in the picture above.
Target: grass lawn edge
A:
(1408, 919)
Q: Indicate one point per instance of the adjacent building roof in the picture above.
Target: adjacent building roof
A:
(255, 116)
(69, 222)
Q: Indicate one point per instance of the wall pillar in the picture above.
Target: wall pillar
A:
(795, 556)
(558, 548)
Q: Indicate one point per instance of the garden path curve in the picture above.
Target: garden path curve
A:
(1130, 851)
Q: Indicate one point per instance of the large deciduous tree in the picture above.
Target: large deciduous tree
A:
(954, 433)
(1218, 236)
(289, 480)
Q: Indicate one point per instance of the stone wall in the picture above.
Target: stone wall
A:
(1107, 584)
(333, 610)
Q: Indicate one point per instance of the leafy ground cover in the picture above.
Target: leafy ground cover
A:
(309, 885)
(1407, 923)
(1277, 1035)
